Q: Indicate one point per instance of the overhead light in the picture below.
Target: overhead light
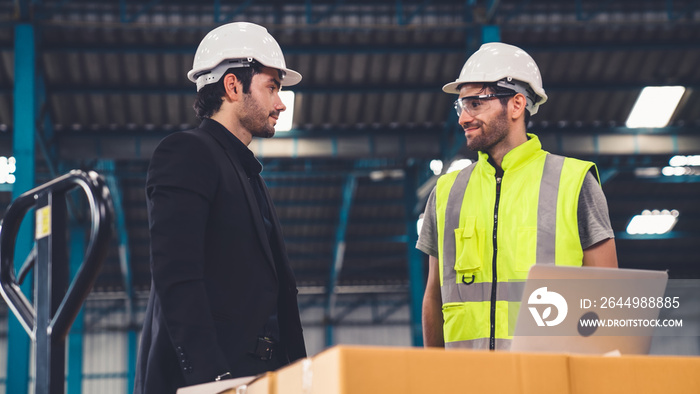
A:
(284, 123)
(681, 161)
(682, 165)
(7, 169)
(678, 171)
(419, 224)
(379, 175)
(459, 165)
(653, 222)
(436, 166)
(647, 172)
(655, 106)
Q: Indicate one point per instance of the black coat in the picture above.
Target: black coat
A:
(214, 280)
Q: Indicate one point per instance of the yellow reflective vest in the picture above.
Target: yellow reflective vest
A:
(492, 230)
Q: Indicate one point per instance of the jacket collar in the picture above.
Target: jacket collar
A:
(518, 157)
(230, 142)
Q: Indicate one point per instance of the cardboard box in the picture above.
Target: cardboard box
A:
(634, 374)
(266, 384)
(261, 384)
(367, 370)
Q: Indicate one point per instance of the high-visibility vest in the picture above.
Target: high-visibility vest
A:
(535, 220)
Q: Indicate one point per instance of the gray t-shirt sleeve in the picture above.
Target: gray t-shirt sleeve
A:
(428, 237)
(593, 217)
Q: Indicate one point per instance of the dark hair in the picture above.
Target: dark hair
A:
(494, 88)
(209, 97)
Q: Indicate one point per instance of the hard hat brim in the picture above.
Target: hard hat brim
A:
(291, 77)
(452, 87)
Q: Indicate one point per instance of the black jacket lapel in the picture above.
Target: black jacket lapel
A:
(250, 196)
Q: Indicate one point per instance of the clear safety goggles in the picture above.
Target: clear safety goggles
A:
(475, 105)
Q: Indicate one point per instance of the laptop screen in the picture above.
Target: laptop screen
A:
(588, 310)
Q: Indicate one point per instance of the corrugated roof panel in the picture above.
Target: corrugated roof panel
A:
(377, 70)
(388, 108)
(335, 109)
(371, 110)
(316, 110)
(136, 109)
(358, 68)
(351, 113)
(100, 110)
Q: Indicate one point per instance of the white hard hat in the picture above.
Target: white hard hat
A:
(236, 45)
(496, 61)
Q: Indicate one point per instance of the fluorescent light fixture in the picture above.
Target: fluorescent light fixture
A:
(647, 172)
(419, 224)
(458, 165)
(678, 171)
(7, 169)
(680, 161)
(653, 222)
(436, 166)
(655, 106)
(284, 123)
(379, 175)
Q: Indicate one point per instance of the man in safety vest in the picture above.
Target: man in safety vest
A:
(518, 205)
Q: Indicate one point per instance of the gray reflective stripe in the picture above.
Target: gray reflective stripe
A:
(481, 343)
(547, 209)
(452, 213)
(476, 292)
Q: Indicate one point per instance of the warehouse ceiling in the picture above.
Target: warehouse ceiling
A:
(369, 116)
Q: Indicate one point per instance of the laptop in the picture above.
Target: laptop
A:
(588, 310)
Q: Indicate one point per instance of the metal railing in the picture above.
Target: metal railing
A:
(57, 301)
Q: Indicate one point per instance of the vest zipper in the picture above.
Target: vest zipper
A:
(494, 283)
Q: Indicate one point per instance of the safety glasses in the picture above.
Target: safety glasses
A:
(475, 105)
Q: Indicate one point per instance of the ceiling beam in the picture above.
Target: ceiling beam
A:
(186, 90)
(374, 144)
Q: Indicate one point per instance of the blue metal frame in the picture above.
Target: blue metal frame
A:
(414, 256)
(403, 20)
(338, 255)
(108, 168)
(23, 148)
(47, 131)
(490, 33)
(348, 89)
(75, 337)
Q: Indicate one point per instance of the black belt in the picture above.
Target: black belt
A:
(265, 348)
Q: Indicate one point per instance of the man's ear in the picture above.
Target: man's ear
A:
(232, 87)
(518, 105)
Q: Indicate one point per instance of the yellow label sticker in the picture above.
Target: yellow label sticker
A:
(43, 222)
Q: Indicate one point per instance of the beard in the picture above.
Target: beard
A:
(255, 119)
(491, 133)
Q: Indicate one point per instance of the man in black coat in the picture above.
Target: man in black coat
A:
(223, 299)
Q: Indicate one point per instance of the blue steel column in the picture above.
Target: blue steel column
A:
(338, 254)
(108, 169)
(23, 150)
(416, 279)
(76, 335)
(490, 33)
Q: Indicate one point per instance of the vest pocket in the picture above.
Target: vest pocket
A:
(469, 247)
(526, 248)
(465, 321)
